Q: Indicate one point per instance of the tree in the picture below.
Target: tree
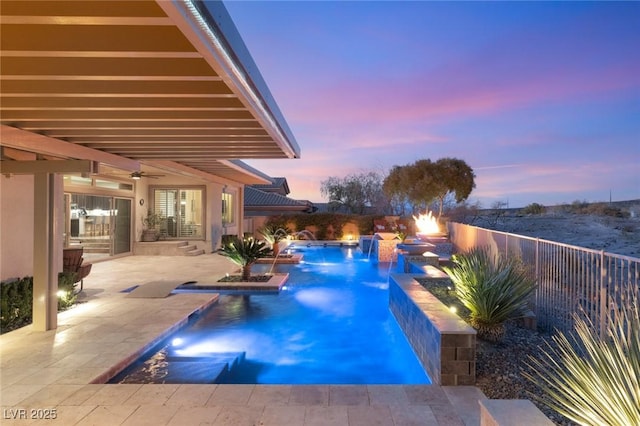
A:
(395, 190)
(454, 176)
(425, 181)
(355, 193)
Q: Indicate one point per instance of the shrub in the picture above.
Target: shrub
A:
(494, 289)
(16, 303)
(244, 253)
(67, 295)
(16, 300)
(534, 208)
(593, 380)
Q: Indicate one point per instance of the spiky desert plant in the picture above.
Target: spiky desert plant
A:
(592, 380)
(273, 235)
(494, 289)
(244, 253)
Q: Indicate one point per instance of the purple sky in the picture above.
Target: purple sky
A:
(542, 100)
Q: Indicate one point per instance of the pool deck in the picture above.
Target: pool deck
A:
(52, 372)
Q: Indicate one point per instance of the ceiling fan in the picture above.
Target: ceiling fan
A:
(139, 175)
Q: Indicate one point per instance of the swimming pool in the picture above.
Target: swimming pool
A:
(329, 325)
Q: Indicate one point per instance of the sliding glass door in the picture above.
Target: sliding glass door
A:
(100, 224)
(122, 215)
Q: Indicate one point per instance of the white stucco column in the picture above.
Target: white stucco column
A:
(240, 212)
(47, 246)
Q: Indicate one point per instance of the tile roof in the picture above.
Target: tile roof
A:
(256, 197)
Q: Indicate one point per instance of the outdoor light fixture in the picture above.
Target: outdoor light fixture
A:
(136, 175)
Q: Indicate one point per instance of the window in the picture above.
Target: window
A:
(181, 210)
(227, 208)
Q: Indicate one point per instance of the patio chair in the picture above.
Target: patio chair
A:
(73, 262)
(381, 226)
(404, 226)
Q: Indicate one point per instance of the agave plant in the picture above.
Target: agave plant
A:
(592, 380)
(244, 253)
(494, 289)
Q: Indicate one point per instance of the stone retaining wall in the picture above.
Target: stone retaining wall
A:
(444, 344)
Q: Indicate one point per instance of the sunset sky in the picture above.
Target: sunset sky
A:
(541, 99)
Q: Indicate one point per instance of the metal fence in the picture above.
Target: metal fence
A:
(571, 280)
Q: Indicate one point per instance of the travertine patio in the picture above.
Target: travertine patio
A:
(52, 371)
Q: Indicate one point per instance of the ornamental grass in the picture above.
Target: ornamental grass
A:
(593, 380)
(494, 288)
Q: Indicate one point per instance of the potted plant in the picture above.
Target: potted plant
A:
(244, 253)
(273, 236)
(151, 223)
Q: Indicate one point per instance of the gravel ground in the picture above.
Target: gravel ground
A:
(499, 367)
(611, 234)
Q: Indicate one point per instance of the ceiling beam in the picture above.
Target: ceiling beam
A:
(28, 141)
(45, 166)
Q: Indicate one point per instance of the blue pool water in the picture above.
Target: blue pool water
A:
(329, 325)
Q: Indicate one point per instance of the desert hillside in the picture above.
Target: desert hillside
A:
(614, 228)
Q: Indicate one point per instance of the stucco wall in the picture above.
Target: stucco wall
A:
(16, 226)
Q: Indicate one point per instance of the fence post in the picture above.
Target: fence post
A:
(604, 303)
(506, 246)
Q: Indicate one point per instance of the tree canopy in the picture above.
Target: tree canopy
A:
(425, 181)
(354, 193)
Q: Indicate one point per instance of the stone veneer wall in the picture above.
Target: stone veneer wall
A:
(385, 250)
(444, 343)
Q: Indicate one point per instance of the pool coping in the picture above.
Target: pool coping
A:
(125, 362)
(274, 284)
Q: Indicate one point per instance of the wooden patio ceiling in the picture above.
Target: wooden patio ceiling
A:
(166, 81)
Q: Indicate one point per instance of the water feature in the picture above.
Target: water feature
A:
(306, 233)
(330, 325)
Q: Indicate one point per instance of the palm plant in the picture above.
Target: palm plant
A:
(592, 380)
(273, 235)
(244, 253)
(494, 289)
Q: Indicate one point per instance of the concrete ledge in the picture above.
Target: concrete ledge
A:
(511, 412)
(431, 272)
(405, 259)
(444, 343)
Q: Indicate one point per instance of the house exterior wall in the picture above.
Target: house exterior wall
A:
(16, 226)
(17, 218)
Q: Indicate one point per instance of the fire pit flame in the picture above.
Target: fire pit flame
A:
(427, 224)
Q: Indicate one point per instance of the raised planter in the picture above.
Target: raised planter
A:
(444, 343)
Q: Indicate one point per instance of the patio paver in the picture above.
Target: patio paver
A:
(53, 370)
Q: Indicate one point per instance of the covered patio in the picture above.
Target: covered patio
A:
(122, 89)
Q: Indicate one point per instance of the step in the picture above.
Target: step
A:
(232, 358)
(195, 372)
(162, 248)
(218, 364)
(190, 250)
(507, 412)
